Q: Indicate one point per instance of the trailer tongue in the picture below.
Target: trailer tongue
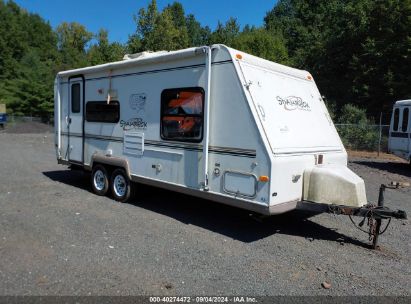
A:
(373, 214)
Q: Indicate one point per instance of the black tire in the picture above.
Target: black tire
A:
(121, 186)
(99, 180)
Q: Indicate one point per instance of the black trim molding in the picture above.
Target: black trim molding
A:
(399, 134)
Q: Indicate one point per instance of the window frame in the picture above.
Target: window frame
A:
(396, 119)
(162, 115)
(102, 102)
(76, 109)
(407, 119)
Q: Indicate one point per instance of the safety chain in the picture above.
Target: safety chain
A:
(371, 223)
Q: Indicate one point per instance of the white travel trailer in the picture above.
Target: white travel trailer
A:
(399, 141)
(211, 122)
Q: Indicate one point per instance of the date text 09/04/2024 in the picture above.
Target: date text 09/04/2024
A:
(202, 299)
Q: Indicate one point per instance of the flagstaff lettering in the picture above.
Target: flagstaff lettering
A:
(292, 103)
(133, 123)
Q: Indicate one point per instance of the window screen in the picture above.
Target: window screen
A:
(100, 111)
(75, 98)
(405, 116)
(396, 119)
(182, 114)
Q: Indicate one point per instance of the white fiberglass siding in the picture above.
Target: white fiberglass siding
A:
(291, 110)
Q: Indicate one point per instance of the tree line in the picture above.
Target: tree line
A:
(357, 50)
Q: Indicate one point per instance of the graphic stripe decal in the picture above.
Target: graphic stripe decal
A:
(170, 145)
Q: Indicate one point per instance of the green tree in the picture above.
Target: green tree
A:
(104, 51)
(28, 54)
(226, 33)
(73, 39)
(156, 30)
(166, 36)
(197, 35)
(177, 14)
(262, 43)
(358, 50)
(355, 130)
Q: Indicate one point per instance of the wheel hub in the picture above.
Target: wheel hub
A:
(99, 183)
(120, 185)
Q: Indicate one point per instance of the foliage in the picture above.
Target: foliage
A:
(358, 50)
(104, 51)
(226, 34)
(356, 130)
(27, 54)
(197, 35)
(31, 54)
(72, 41)
(262, 43)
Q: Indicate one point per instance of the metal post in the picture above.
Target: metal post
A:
(206, 136)
(378, 220)
(379, 139)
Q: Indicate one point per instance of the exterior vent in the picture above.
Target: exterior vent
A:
(133, 143)
(145, 54)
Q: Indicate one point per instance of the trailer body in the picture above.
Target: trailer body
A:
(211, 122)
(399, 141)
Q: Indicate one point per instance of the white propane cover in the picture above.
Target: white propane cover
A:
(334, 184)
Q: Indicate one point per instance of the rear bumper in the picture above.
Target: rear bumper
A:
(283, 207)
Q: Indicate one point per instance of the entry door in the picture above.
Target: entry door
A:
(406, 117)
(75, 120)
(399, 141)
(403, 134)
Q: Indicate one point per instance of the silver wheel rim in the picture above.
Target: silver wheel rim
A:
(98, 180)
(120, 185)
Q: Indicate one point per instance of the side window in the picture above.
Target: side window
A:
(405, 117)
(75, 98)
(396, 119)
(182, 114)
(100, 111)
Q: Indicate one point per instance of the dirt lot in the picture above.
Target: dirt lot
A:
(56, 237)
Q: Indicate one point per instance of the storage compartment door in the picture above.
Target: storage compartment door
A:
(240, 184)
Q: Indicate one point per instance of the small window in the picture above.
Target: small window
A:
(396, 119)
(182, 114)
(75, 98)
(405, 115)
(100, 111)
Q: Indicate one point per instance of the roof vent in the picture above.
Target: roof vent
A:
(145, 54)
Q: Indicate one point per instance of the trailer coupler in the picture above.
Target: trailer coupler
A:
(373, 214)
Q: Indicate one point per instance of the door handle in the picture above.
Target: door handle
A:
(68, 120)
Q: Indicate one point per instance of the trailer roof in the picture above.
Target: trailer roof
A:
(406, 102)
(164, 56)
(144, 59)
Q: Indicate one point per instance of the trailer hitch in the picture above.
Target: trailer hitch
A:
(372, 214)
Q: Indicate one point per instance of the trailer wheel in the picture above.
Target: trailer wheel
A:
(99, 180)
(121, 186)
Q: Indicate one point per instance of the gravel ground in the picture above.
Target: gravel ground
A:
(57, 238)
(27, 127)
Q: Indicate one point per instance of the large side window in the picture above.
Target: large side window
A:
(405, 117)
(182, 114)
(75, 98)
(396, 119)
(100, 111)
